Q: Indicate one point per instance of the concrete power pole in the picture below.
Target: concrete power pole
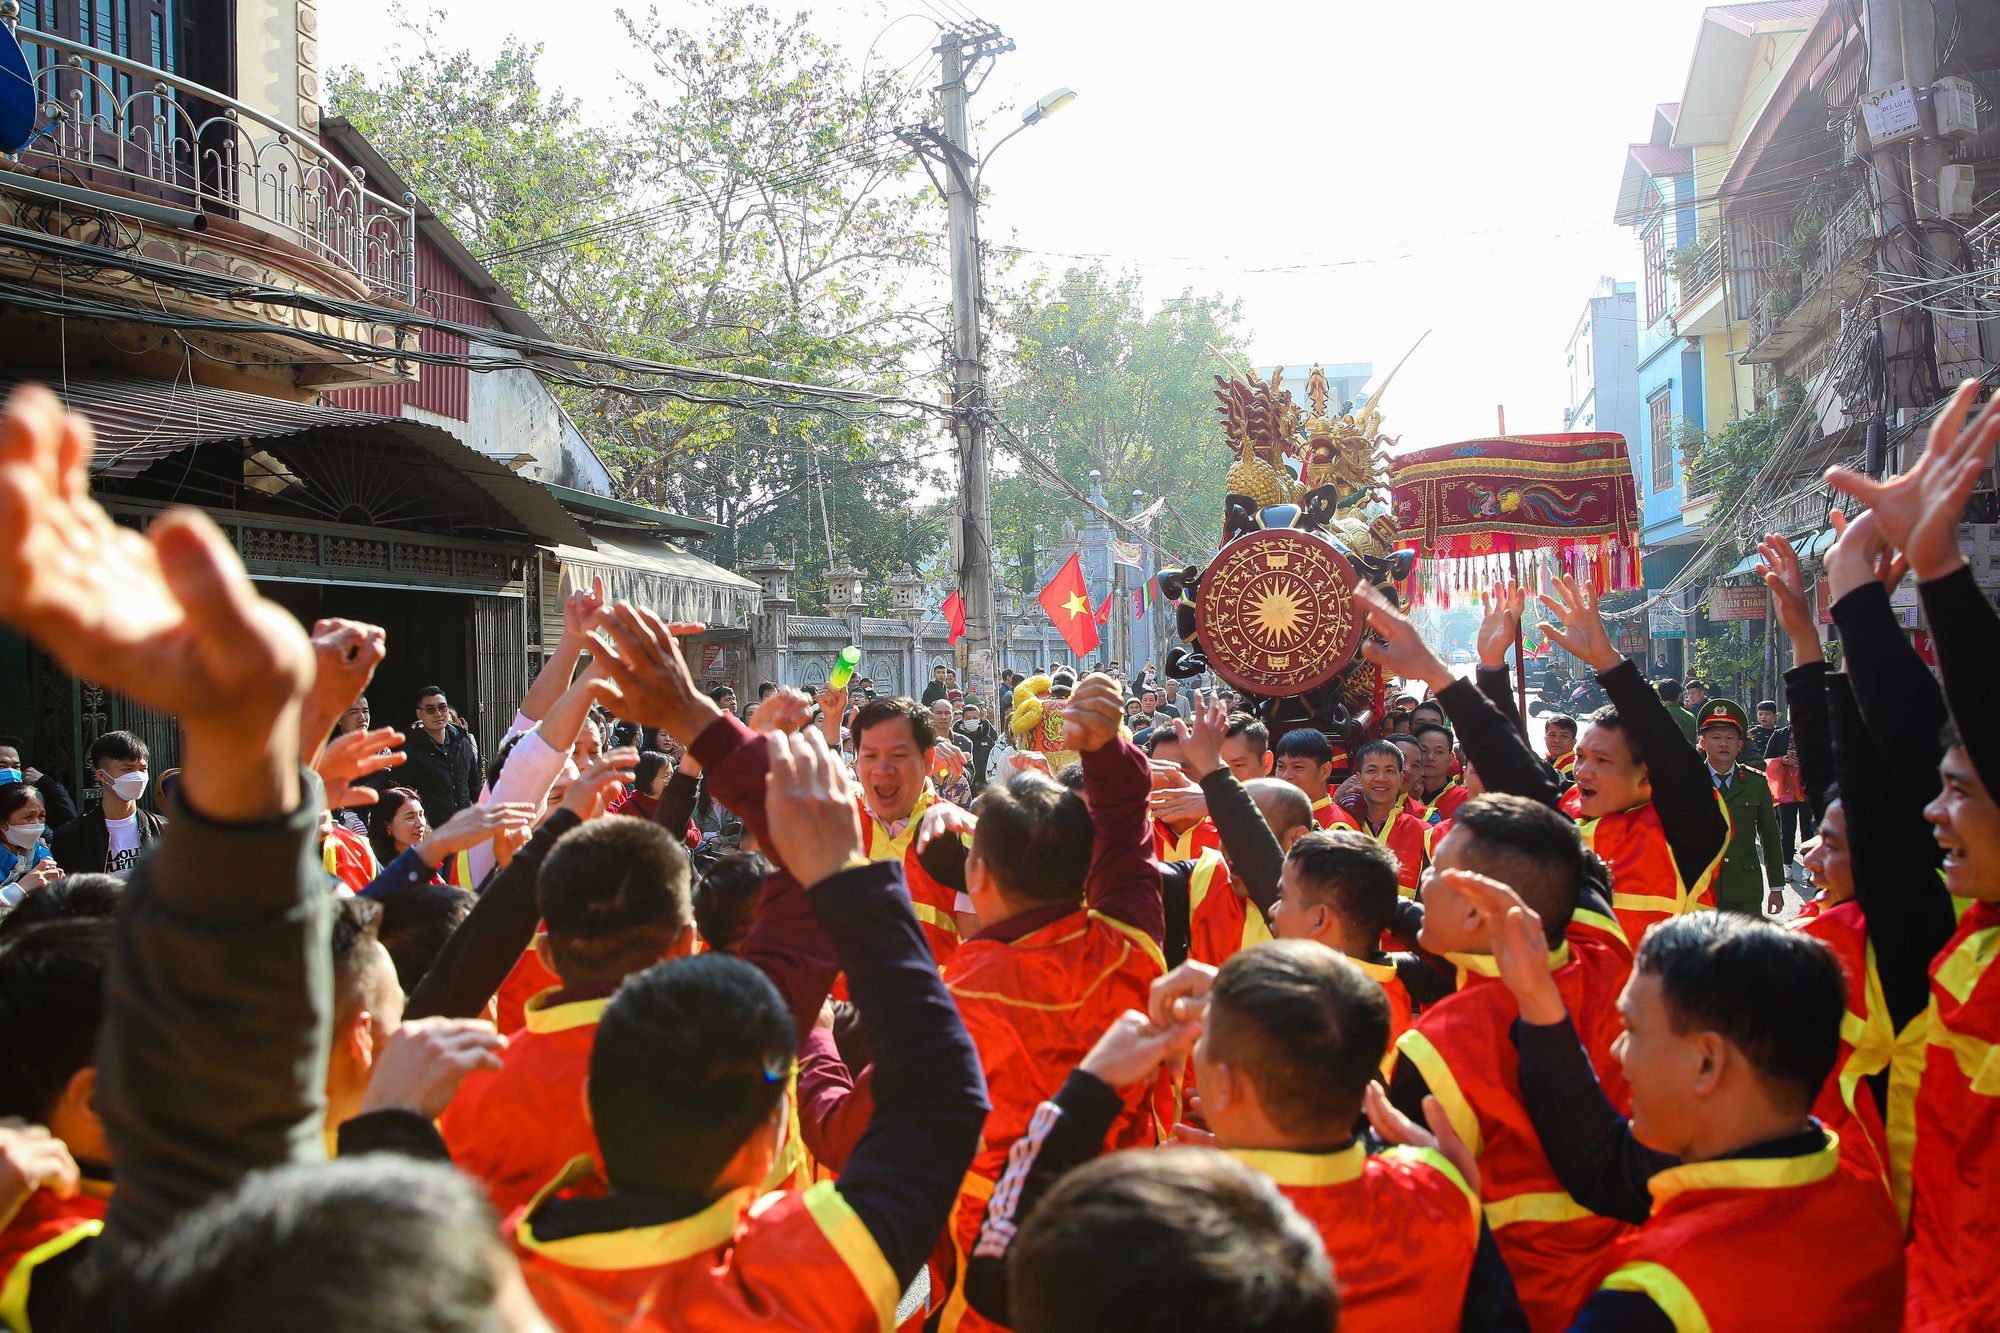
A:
(1915, 238)
(960, 51)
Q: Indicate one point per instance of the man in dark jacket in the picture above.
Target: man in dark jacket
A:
(979, 736)
(443, 766)
(937, 689)
(109, 837)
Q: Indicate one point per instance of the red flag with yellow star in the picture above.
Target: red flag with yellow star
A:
(1067, 602)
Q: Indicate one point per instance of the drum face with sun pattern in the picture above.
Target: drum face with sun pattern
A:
(1276, 614)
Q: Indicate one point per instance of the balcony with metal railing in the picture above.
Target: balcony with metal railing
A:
(111, 123)
(1806, 295)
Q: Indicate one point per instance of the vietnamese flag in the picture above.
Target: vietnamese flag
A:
(954, 615)
(1104, 612)
(1067, 602)
(1138, 603)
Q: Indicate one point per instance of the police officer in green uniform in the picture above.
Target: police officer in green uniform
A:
(1723, 729)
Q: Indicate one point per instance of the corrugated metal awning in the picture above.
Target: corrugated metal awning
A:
(673, 583)
(139, 421)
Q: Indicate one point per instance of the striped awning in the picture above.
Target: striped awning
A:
(675, 584)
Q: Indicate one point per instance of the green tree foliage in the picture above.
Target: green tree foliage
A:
(1726, 460)
(757, 213)
(1090, 379)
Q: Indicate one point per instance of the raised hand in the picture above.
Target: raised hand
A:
(1520, 947)
(1779, 564)
(1201, 736)
(1861, 554)
(943, 819)
(1092, 716)
(1919, 511)
(1031, 761)
(580, 607)
(1501, 625)
(424, 1061)
(1579, 627)
(642, 659)
(345, 655)
(168, 619)
(1393, 1127)
(1132, 1049)
(810, 802)
(473, 825)
(1181, 996)
(1398, 648)
(356, 755)
(781, 710)
(950, 759)
(31, 1159)
(42, 874)
(597, 785)
(1181, 804)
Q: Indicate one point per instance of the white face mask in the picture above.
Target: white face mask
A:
(129, 787)
(25, 836)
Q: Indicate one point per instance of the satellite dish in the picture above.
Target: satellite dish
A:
(17, 93)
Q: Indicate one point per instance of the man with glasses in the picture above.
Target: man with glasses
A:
(443, 766)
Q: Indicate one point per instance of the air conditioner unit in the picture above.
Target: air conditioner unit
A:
(1956, 102)
(1891, 115)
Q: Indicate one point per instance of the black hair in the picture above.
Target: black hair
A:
(371, 1242)
(1351, 873)
(1169, 1238)
(1767, 705)
(1251, 729)
(689, 1058)
(1559, 720)
(1395, 715)
(613, 894)
(1306, 1026)
(117, 745)
(1670, 690)
(1607, 716)
(388, 804)
(721, 692)
(82, 894)
(1163, 734)
(425, 692)
(51, 1004)
(647, 770)
(1420, 730)
(1776, 995)
(725, 901)
(357, 927)
(1379, 747)
(765, 689)
(1530, 848)
(9, 740)
(416, 921)
(1431, 704)
(14, 795)
(1035, 837)
(877, 711)
(1304, 743)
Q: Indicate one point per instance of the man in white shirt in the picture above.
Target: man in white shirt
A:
(109, 837)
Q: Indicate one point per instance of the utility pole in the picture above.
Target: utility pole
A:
(960, 52)
(1915, 240)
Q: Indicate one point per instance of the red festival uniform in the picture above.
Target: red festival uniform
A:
(44, 1228)
(1646, 886)
(1327, 813)
(1403, 833)
(790, 1261)
(1401, 1228)
(933, 902)
(1463, 1047)
(1768, 1242)
(1955, 1215)
(514, 1129)
(1847, 1103)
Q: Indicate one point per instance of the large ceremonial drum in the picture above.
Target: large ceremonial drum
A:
(1276, 615)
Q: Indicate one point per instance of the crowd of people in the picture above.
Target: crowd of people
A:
(664, 1018)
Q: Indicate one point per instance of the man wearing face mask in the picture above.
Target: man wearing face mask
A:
(110, 836)
(15, 767)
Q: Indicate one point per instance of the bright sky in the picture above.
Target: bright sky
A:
(1357, 173)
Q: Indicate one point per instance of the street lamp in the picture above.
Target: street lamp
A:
(1041, 110)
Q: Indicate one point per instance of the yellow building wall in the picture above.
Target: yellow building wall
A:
(267, 57)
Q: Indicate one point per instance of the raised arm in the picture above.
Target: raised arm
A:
(1255, 859)
(211, 1059)
(1899, 698)
(1805, 683)
(930, 1098)
(578, 610)
(1499, 629)
(1495, 745)
(1124, 880)
(1894, 860)
(1919, 513)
